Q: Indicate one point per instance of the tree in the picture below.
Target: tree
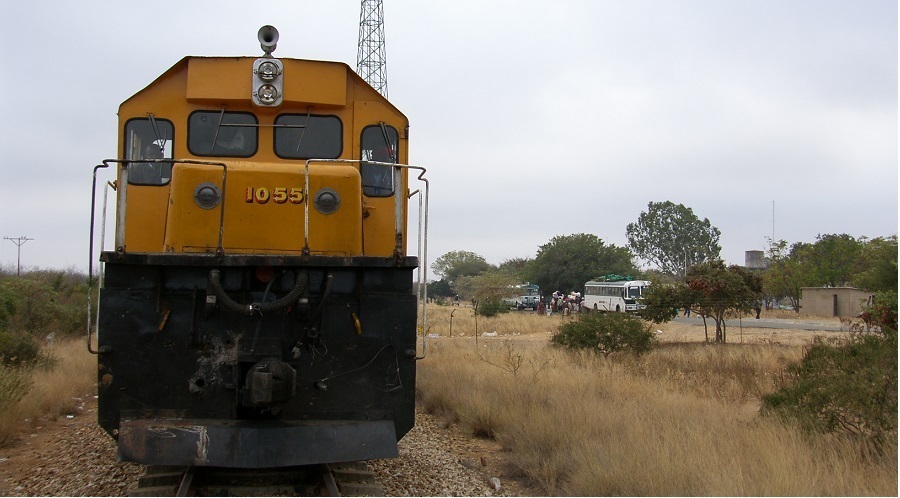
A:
(568, 261)
(831, 260)
(672, 237)
(721, 290)
(784, 276)
(488, 289)
(711, 290)
(663, 301)
(878, 265)
(516, 266)
(455, 264)
(440, 288)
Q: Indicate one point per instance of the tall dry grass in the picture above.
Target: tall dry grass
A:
(682, 420)
(460, 321)
(58, 388)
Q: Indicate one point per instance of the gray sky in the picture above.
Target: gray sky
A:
(534, 118)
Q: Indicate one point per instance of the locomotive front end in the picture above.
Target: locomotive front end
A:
(258, 308)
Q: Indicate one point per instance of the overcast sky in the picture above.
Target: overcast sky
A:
(534, 118)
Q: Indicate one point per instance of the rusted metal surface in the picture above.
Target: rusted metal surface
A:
(329, 379)
(254, 445)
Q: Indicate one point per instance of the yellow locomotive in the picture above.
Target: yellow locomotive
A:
(258, 309)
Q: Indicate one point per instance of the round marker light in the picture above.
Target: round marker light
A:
(327, 201)
(267, 71)
(207, 195)
(267, 94)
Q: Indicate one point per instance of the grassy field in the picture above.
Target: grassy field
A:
(55, 389)
(682, 420)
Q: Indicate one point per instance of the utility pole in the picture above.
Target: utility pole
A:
(18, 241)
(371, 58)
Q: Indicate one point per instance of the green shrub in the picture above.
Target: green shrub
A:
(15, 382)
(606, 333)
(491, 307)
(848, 386)
(44, 302)
(882, 313)
(18, 349)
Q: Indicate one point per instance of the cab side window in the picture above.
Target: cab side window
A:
(379, 143)
(147, 142)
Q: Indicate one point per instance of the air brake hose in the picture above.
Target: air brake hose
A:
(258, 308)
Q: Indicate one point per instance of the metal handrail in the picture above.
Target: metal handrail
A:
(123, 186)
(398, 222)
(91, 259)
(398, 168)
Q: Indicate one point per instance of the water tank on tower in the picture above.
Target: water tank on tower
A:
(754, 260)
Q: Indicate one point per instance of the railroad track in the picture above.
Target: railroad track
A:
(347, 479)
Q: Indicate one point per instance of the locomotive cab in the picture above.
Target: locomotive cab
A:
(258, 306)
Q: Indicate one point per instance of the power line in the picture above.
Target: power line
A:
(18, 241)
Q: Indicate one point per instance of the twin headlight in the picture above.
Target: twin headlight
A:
(268, 82)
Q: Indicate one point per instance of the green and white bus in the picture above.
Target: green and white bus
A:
(614, 293)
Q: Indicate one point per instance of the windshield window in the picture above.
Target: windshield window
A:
(379, 143)
(307, 136)
(148, 139)
(218, 133)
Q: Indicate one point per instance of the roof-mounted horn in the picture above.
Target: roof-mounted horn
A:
(268, 38)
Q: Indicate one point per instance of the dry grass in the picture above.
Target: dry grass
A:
(55, 391)
(680, 421)
(463, 323)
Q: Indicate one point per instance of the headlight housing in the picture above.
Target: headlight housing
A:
(267, 82)
(268, 71)
(267, 94)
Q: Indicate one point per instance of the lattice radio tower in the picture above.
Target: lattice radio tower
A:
(371, 59)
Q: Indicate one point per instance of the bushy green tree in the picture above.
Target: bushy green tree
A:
(784, 276)
(672, 238)
(455, 264)
(878, 265)
(606, 333)
(831, 261)
(566, 262)
(439, 289)
(516, 266)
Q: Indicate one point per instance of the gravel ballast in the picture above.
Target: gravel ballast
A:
(72, 456)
